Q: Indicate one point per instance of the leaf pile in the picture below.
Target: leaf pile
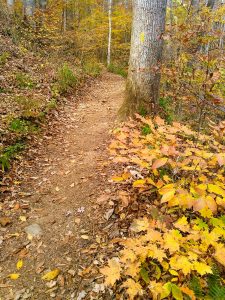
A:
(181, 172)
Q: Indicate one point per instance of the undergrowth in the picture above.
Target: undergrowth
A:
(116, 69)
(175, 249)
(9, 153)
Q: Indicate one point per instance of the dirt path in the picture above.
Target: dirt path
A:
(60, 196)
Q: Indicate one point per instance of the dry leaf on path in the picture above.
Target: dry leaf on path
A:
(51, 275)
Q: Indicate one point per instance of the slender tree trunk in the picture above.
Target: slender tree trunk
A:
(110, 32)
(145, 56)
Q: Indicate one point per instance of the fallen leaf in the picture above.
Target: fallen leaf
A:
(4, 221)
(19, 264)
(111, 272)
(23, 218)
(85, 237)
(159, 163)
(51, 275)
(14, 276)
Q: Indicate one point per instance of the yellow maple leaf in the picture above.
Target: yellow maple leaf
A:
(202, 268)
(157, 253)
(156, 289)
(182, 263)
(206, 212)
(212, 188)
(51, 275)
(139, 225)
(19, 264)
(182, 224)
(133, 288)
(133, 269)
(171, 241)
(111, 272)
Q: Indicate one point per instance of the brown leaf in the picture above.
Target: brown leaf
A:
(4, 221)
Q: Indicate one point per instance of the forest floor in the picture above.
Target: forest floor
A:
(65, 195)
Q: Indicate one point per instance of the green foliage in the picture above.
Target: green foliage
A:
(195, 286)
(9, 153)
(168, 113)
(216, 290)
(29, 106)
(66, 79)
(24, 81)
(4, 58)
(22, 126)
(92, 68)
(146, 130)
(116, 69)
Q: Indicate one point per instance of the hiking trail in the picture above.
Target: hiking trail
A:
(58, 197)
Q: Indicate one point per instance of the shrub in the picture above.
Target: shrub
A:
(66, 79)
(3, 58)
(22, 126)
(117, 70)
(24, 81)
(92, 68)
(9, 153)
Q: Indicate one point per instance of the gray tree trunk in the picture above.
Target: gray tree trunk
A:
(145, 56)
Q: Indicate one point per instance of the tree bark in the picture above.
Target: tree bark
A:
(145, 56)
(110, 32)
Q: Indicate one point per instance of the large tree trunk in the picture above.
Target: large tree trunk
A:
(145, 56)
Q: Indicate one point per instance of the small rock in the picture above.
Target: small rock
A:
(34, 230)
(72, 272)
(81, 295)
(108, 214)
(81, 209)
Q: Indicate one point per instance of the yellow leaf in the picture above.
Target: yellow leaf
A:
(182, 224)
(171, 241)
(139, 183)
(166, 290)
(206, 212)
(166, 188)
(111, 272)
(14, 276)
(23, 218)
(133, 288)
(168, 196)
(159, 163)
(51, 275)
(139, 225)
(202, 268)
(182, 263)
(19, 264)
(117, 179)
(220, 254)
(212, 188)
(174, 273)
